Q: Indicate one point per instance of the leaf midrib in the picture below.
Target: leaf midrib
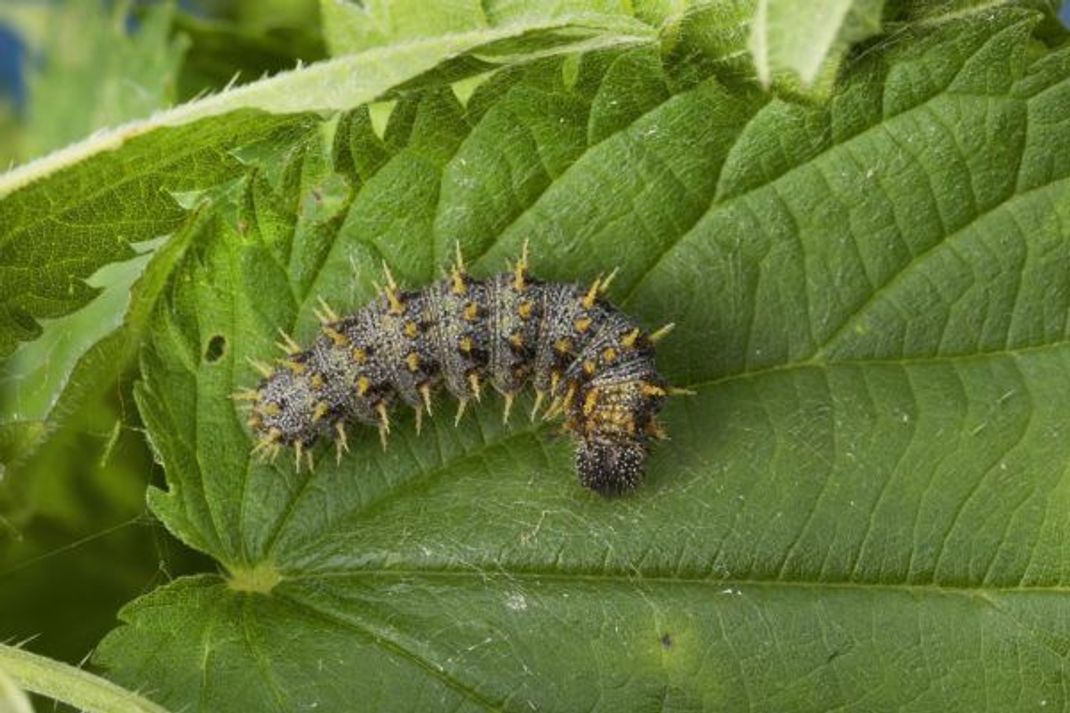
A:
(421, 478)
(631, 579)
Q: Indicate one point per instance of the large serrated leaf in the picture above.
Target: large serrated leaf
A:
(863, 507)
(68, 215)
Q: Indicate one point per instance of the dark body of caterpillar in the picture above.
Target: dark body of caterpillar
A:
(588, 357)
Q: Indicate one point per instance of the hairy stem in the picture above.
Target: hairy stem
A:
(70, 685)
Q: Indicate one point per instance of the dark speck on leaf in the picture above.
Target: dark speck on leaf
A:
(216, 346)
(666, 640)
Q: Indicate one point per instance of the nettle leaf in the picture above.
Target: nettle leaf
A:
(358, 26)
(864, 505)
(806, 40)
(68, 216)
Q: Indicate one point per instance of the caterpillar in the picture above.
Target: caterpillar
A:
(590, 359)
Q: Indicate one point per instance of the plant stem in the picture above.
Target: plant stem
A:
(70, 685)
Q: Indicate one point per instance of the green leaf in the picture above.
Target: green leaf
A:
(13, 698)
(355, 27)
(806, 39)
(64, 217)
(863, 506)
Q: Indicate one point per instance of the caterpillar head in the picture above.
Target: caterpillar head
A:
(612, 465)
(286, 411)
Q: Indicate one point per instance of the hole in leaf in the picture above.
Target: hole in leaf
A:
(216, 346)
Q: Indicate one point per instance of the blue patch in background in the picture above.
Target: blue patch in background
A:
(12, 54)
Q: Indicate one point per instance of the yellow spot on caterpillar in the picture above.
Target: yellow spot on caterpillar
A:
(517, 340)
(525, 309)
(320, 411)
(610, 355)
(337, 337)
(295, 367)
(465, 344)
(583, 324)
(363, 385)
(471, 312)
(656, 430)
(316, 381)
(359, 355)
(590, 402)
(412, 329)
(630, 338)
(457, 284)
(555, 379)
(589, 366)
(413, 361)
(563, 345)
(272, 409)
(651, 390)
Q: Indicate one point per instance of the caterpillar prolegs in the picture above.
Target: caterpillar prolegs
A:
(592, 362)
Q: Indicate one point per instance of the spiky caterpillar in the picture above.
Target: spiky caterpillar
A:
(591, 359)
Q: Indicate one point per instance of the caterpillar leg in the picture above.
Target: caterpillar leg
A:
(539, 396)
(473, 381)
(384, 424)
(342, 444)
(425, 393)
